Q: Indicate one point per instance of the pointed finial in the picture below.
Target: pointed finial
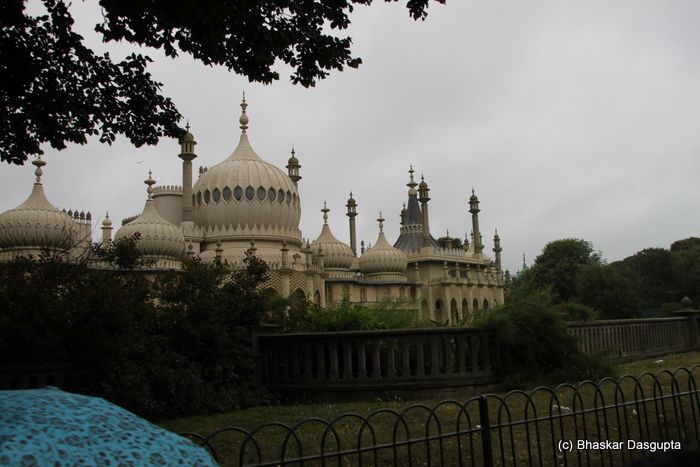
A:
(325, 213)
(150, 182)
(244, 117)
(412, 184)
(187, 125)
(381, 220)
(293, 151)
(38, 163)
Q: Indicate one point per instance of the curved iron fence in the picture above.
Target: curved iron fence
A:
(610, 422)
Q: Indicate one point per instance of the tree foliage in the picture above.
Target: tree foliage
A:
(558, 264)
(607, 289)
(57, 90)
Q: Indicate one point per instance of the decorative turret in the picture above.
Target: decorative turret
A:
(423, 198)
(352, 213)
(187, 154)
(293, 168)
(158, 239)
(382, 260)
(404, 213)
(497, 249)
(106, 230)
(476, 234)
(337, 255)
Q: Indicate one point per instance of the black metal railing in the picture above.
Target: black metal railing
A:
(586, 424)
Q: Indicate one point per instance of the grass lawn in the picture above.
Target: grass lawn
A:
(525, 428)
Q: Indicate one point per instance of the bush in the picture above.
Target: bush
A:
(537, 349)
(301, 316)
(175, 346)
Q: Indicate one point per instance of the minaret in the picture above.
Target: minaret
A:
(352, 213)
(293, 168)
(187, 154)
(474, 209)
(497, 249)
(403, 214)
(106, 231)
(423, 198)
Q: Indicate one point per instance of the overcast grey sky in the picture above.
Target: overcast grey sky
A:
(569, 120)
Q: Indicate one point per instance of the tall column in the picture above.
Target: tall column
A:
(187, 155)
(497, 250)
(423, 198)
(352, 213)
(474, 209)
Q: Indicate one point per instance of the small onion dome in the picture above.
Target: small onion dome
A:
(336, 254)
(422, 183)
(158, 237)
(473, 197)
(36, 223)
(293, 160)
(107, 222)
(382, 257)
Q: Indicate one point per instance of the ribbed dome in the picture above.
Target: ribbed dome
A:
(336, 254)
(36, 223)
(383, 258)
(246, 193)
(159, 238)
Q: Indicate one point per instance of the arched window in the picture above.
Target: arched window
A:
(271, 194)
(207, 196)
(216, 195)
(262, 193)
(280, 195)
(227, 194)
(249, 193)
(475, 307)
(465, 310)
(238, 193)
(454, 317)
(486, 304)
(439, 310)
(317, 299)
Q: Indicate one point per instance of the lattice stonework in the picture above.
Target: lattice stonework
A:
(298, 281)
(274, 280)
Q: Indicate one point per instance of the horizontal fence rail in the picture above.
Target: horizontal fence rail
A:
(629, 339)
(588, 424)
(396, 359)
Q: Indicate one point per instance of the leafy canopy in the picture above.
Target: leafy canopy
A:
(57, 90)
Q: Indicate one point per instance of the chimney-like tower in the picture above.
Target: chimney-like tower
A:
(423, 198)
(187, 154)
(352, 213)
(474, 209)
(106, 231)
(497, 250)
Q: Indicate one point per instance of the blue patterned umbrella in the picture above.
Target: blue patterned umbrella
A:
(50, 427)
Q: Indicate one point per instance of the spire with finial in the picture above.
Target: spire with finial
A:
(381, 220)
(244, 117)
(38, 163)
(412, 184)
(150, 182)
(325, 213)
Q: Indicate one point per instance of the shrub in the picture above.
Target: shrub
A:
(537, 349)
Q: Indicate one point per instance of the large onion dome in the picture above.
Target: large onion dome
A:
(246, 197)
(336, 254)
(158, 237)
(383, 258)
(36, 224)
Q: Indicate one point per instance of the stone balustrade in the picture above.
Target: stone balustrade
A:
(630, 339)
(386, 359)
